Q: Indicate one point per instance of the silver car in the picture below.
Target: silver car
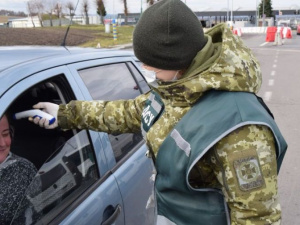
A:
(84, 177)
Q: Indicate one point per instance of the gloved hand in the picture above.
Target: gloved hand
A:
(47, 107)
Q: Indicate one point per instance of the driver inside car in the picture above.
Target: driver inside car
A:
(16, 174)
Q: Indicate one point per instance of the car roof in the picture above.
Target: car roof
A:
(14, 55)
(26, 60)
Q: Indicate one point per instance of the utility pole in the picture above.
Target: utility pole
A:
(227, 10)
(232, 11)
(256, 14)
(263, 13)
(141, 7)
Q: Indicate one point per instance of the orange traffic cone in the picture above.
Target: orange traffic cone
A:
(289, 33)
(271, 31)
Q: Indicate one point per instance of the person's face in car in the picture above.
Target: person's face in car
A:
(5, 139)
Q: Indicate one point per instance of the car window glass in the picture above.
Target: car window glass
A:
(142, 83)
(65, 160)
(113, 82)
(61, 179)
(110, 82)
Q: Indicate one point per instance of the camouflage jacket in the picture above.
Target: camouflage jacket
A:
(225, 63)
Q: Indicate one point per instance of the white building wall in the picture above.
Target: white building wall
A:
(25, 22)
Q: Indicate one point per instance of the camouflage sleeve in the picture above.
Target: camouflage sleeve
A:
(245, 165)
(121, 116)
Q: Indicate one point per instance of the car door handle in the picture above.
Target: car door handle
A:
(112, 214)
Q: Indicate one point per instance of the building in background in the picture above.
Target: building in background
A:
(241, 17)
(25, 22)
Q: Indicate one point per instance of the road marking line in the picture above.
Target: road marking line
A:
(267, 96)
(275, 61)
(273, 73)
(274, 66)
(271, 82)
(263, 44)
(272, 49)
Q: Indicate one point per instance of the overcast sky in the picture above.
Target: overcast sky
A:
(134, 6)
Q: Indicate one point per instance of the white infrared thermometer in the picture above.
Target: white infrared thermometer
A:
(34, 113)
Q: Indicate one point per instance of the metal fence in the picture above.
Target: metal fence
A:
(56, 22)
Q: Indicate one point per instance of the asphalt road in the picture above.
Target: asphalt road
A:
(281, 91)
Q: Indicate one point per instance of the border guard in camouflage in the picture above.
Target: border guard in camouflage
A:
(217, 149)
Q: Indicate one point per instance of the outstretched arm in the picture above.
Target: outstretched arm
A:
(121, 116)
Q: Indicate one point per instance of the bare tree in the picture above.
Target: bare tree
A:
(85, 8)
(58, 11)
(101, 10)
(30, 9)
(70, 6)
(36, 7)
(39, 6)
(49, 8)
(125, 11)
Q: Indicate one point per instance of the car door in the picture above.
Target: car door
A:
(133, 171)
(73, 182)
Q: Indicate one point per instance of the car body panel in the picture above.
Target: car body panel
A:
(37, 62)
(90, 211)
(123, 176)
(126, 174)
(17, 84)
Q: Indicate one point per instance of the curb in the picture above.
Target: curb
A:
(125, 46)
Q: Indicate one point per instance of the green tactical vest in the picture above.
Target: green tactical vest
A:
(215, 115)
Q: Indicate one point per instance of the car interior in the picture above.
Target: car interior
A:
(31, 141)
(58, 155)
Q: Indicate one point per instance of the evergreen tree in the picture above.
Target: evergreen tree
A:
(268, 10)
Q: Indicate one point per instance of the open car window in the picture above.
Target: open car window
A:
(65, 160)
(69, 171)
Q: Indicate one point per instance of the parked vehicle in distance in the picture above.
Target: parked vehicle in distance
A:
(283, 23)
(84, 177)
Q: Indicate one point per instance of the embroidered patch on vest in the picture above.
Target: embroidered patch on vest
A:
(248, 173)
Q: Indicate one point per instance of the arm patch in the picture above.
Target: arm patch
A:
(248, 173)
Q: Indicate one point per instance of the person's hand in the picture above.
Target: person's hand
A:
(47, 107)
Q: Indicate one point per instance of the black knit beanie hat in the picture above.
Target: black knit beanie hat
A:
(168, 36)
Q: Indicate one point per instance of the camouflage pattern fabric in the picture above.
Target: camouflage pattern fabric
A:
(225, 63)
(111, 117)
(243, 165)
